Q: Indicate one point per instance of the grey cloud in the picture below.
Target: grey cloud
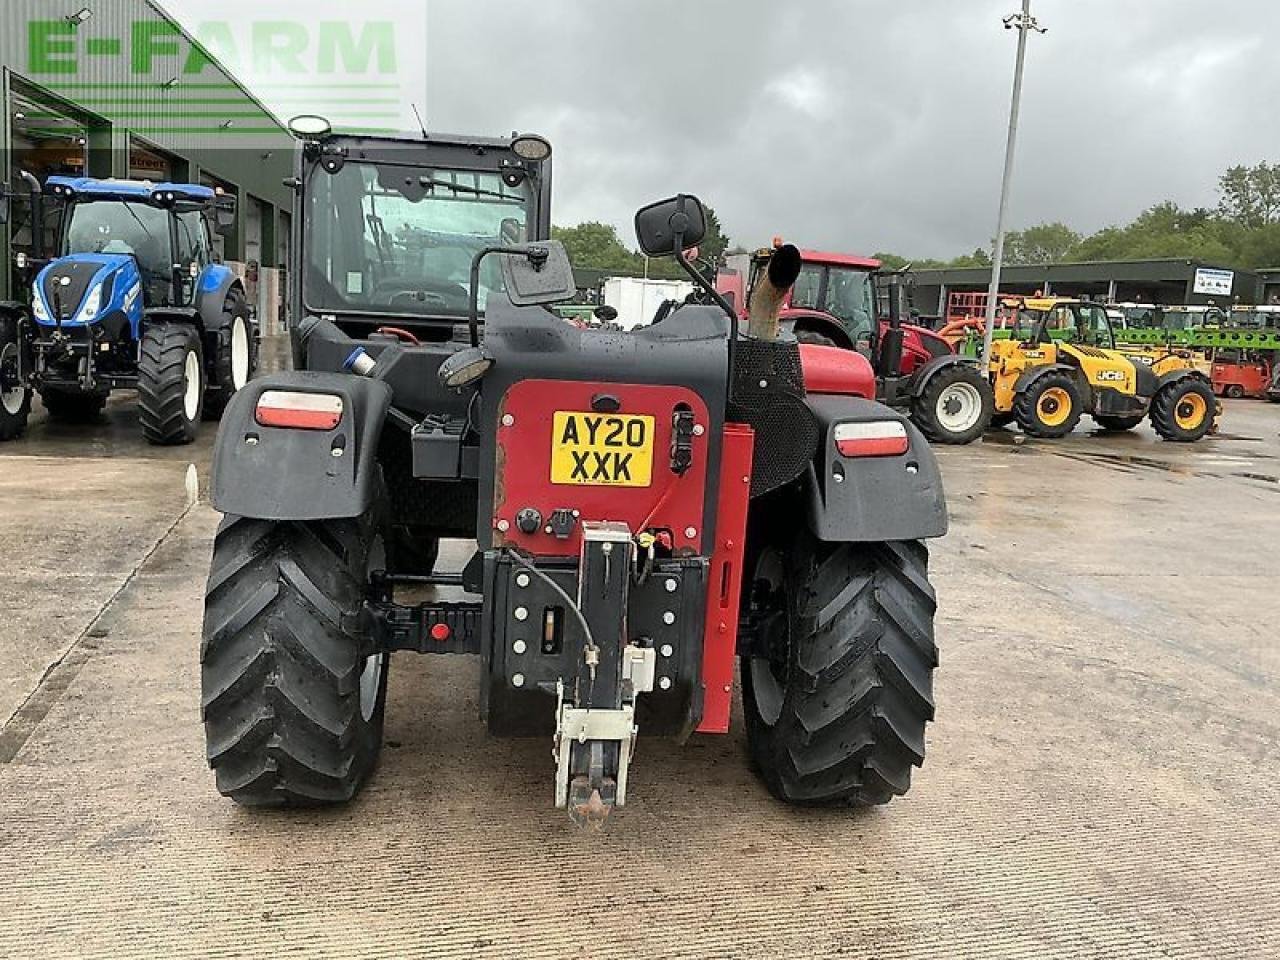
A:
(862, 125)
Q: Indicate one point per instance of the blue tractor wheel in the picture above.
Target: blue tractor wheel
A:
(171, 383)
(15, 399)
(233, 364)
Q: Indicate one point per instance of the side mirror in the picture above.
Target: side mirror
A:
(224, 218)
(538, 273)
(671, 226)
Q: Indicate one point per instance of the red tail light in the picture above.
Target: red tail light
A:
(299, 411)
(874, 438)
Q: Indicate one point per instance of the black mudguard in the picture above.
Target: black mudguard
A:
(270, 473)
(880, 498)
(927, 371)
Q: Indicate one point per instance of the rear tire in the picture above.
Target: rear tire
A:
(15, 400)
(1048, 408)
(1117, 424)
(170, 383)
(293, 709)
(955, 406)
(1185, 410)
(236, 359)
(1234, 391)
(836, 713)
(73, 406)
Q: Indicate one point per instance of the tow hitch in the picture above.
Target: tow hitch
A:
(595, 713)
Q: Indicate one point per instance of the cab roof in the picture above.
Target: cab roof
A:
(839, 260)
(131, 189)
(829, 259)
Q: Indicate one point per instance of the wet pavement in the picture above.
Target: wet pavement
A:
(1101, 779)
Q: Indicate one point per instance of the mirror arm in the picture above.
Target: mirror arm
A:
(709, 288)
(473, 304)
(473, 294)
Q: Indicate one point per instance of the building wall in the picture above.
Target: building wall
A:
(1156, 281)
(131, 77)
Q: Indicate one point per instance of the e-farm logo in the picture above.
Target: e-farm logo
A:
(162, 80)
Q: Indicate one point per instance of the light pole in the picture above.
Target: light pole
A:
(1022, 22)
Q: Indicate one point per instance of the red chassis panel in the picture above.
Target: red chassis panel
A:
(719, 646)
(523, 478)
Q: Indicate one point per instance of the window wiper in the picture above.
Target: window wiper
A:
(463, 188)
(133, 213)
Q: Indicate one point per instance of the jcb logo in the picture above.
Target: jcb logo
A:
(1110, 376)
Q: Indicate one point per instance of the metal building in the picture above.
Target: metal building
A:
(115, 88)
(1168, 281)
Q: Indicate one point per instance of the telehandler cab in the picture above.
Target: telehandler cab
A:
(647, 507)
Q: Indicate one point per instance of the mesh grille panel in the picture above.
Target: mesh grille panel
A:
(786, 433)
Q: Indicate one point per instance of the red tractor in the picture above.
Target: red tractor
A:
(835, 302)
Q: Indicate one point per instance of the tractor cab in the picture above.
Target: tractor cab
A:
(391, 228)
(1048, 320)
(158, 234)
(834, 297)
(837, 301)
(1186, 317)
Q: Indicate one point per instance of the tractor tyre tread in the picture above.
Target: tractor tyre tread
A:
(281, 666)
(162, 383)
(1164, 406)
(1026, 403)
(13, 425)
(860, 687)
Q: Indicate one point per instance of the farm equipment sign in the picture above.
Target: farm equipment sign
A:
(1214, 283)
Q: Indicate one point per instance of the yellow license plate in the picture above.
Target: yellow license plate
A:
(602, 449)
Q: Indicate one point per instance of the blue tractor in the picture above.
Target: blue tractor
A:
(134, 298)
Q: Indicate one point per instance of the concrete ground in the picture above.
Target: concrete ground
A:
(1101, 778)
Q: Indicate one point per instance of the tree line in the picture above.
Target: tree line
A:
(1242, 231)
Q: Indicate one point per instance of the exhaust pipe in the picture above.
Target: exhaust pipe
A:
(771, 291)
(890, 359)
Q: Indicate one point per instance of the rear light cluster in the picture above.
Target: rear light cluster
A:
(299, 411)
(873, 438)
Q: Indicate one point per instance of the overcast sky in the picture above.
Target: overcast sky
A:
(850, 124)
